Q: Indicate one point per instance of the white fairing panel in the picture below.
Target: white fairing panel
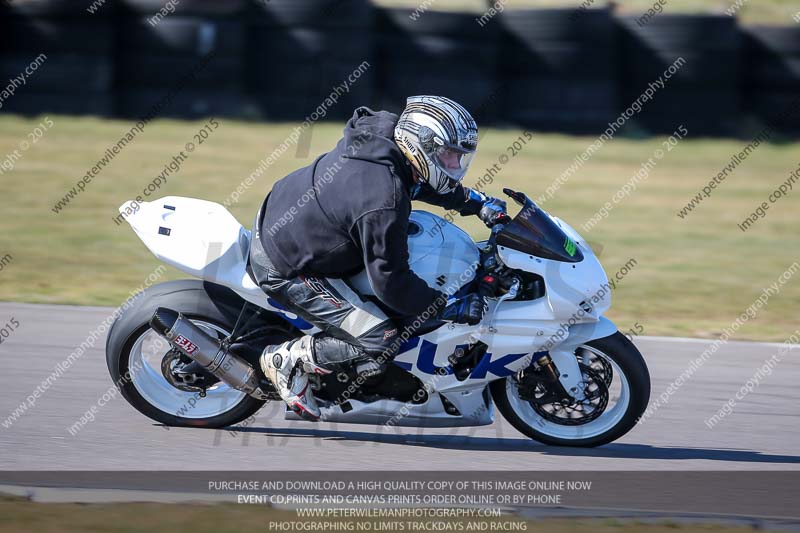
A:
(198, 237)
(574, 290)
(438, 252)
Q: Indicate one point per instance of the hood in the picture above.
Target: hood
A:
(369, 136)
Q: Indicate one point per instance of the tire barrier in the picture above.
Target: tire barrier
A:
(58, 8)
(299, 52)
(566, 70)
(64, 64)
(152, 57)
(437, 53)
(184, 103)
(772, 75)
(343, 14)
(159, 42)
(704, 94)
(199, 8)
(559, 68)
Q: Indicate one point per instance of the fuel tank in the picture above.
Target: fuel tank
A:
(439, 252)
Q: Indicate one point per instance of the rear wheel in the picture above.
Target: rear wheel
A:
(616, 388)
(143, 364)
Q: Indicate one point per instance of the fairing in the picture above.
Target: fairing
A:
(534, 232)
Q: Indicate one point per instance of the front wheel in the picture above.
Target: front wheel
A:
(618, 388)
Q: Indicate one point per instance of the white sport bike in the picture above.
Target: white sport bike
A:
(186, 352)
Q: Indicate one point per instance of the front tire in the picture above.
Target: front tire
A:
(631, 391)
(134, 352)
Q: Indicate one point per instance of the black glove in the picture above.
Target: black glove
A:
(493, 211)
(466, 310)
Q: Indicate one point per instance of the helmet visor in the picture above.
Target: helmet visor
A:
(454, 162)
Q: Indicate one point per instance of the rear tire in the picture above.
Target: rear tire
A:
(199, 301)
(627, 359)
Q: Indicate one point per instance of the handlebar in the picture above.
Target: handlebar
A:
(496, 229)
(518, 197)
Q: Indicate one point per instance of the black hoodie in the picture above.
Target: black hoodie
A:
(349, 210)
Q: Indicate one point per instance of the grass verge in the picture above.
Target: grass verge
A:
(693, 276)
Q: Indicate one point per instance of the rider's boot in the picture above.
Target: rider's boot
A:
(287, 366)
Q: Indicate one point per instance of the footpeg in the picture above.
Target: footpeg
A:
(463, 361)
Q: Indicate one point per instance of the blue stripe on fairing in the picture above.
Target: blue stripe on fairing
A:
(407, 346)
(427, 353)
(298, 322)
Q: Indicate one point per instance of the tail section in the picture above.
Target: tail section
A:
(198, 237)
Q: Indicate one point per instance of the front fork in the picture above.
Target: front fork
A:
(565, 367)
(545, 373)
(562, 357)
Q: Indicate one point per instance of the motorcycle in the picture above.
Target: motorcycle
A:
(185, 353)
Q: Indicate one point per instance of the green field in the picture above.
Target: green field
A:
(749, 11)
(693, 276)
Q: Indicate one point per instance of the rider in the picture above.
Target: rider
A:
(347, 211)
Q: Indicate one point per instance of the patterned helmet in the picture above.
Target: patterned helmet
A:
(439, 138)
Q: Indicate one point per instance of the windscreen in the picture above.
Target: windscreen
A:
(533, 232)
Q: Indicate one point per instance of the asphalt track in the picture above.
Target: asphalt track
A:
(760, 434)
